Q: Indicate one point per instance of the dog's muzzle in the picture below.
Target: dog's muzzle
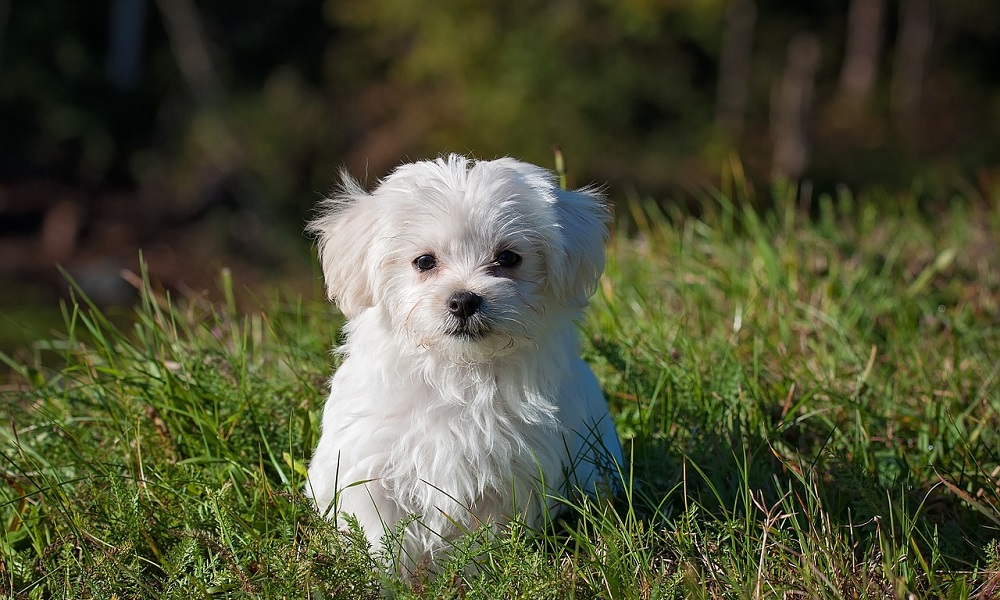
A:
(465, 308)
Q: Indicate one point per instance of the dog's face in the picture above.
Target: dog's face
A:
(467, 259)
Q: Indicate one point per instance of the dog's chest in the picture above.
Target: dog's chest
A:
(471, 452)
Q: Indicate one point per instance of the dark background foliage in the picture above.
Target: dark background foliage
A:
(203, 132)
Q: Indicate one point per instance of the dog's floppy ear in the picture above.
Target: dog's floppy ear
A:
(574, 231)
(582, 219)
(345, 231)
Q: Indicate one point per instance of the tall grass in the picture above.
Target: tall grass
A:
(809, 396)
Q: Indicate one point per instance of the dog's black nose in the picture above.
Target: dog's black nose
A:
(464, 304)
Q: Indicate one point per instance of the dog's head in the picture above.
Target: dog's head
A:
(467, 258)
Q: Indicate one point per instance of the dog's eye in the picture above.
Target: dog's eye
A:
(425, 262)
(508, 259)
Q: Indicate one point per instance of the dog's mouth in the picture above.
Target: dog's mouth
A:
(470, 330)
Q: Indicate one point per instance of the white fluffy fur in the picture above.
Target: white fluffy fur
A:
(459, 430)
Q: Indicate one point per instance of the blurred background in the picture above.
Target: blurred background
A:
(202, 132)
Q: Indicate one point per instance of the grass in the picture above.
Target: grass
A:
(809, 394)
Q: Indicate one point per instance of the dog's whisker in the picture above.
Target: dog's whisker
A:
(406, 320)
(525, 302)
(515, 323)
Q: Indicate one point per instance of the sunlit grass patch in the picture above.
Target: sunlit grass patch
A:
(808, 394)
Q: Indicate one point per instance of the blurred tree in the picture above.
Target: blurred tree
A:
(187, 40)
(620, 85)
(862, 52)
(214, 101)
(792, 107)
(734, 65)
(126, 32)
(4, 14)
(915, 34)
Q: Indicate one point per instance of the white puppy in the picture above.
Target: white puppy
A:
(462, 398)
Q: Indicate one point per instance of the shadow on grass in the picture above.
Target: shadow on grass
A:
(717, 438)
